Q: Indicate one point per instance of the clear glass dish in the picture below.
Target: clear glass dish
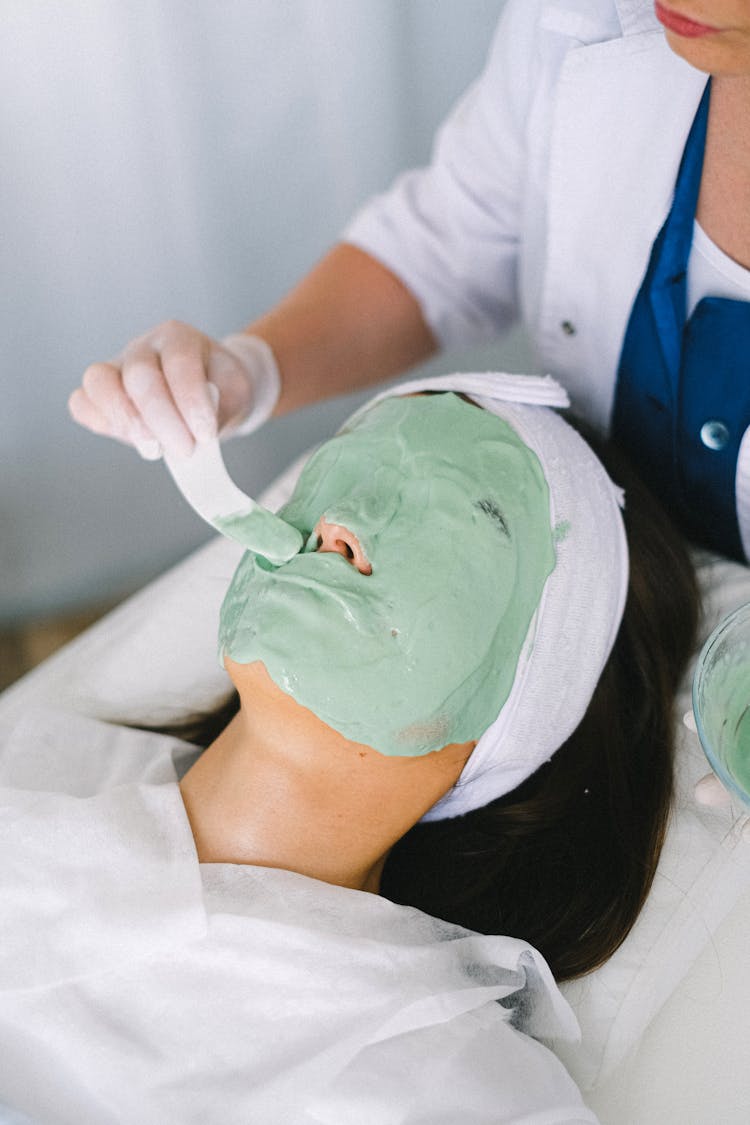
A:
(721, 702)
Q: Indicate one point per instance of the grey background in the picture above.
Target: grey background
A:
(176, 158)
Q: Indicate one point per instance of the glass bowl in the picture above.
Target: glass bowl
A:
(721, 702)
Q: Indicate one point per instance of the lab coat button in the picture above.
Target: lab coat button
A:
(714, 435)
(568, 328)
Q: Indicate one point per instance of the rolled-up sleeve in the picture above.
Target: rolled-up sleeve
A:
(451, 231)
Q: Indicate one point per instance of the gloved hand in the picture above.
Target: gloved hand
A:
(175, 386)
(709, 790)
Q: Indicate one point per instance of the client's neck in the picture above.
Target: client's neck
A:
(279, 788)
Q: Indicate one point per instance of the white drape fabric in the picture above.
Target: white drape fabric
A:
(137, 985)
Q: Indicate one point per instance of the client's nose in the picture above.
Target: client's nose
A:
(339, 539)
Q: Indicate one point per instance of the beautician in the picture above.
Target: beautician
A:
(595, 184)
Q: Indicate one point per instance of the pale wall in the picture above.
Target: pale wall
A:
(176, 158)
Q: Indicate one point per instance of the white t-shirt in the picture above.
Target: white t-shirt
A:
(712, 273)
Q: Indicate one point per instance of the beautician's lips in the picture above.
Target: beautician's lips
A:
(681, 25)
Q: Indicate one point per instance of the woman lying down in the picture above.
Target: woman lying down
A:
(447, 731)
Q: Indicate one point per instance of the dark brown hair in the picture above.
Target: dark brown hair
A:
(566, 860)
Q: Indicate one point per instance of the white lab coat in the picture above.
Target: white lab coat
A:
(549, 183)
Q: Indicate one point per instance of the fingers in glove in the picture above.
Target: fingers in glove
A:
(146, 386)
(710, 791)
(184, 363)
(228, 374)
(102, 405)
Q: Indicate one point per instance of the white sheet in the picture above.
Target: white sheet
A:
(155, 657)
(690, 1065)
(137, 985)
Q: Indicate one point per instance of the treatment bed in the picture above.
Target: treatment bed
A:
(664, 1023)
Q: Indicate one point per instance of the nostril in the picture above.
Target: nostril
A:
(341, 541)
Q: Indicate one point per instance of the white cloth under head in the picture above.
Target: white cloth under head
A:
(574, 628)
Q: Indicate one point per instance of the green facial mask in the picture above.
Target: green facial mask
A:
(452, 512)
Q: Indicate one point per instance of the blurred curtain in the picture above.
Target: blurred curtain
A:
(189, 159)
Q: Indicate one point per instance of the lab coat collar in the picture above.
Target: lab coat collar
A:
(591, 21)
(636, 135)
(636, 16)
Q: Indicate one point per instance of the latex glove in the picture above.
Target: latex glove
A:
(158, 394)
(709, 790)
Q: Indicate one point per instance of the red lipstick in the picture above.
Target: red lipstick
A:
(681, 25)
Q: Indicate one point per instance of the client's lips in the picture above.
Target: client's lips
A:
(681, 25)
(326, 575)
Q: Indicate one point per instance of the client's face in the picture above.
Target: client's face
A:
(448, 510)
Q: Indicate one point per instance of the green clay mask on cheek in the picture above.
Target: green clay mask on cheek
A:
(452, 510)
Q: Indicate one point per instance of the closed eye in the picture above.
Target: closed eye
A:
(491, 509)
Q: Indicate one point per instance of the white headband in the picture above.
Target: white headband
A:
(575, 625)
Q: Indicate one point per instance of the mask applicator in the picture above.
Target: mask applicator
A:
(203, 480)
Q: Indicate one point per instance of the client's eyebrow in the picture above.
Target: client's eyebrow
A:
(491, 509)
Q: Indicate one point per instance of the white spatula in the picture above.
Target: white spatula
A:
(203, 480)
